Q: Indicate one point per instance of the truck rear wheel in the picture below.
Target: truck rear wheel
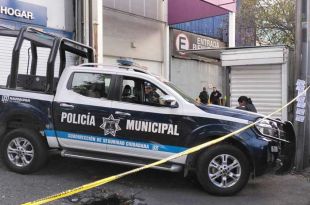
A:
(23, 150)
(223, 170)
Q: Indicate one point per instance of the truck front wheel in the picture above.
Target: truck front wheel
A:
(23, 150)
(223, 170)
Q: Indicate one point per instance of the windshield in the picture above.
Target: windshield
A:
(180, 92)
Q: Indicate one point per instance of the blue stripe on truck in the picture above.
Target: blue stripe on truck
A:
(114, 141)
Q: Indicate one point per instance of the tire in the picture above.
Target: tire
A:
(213, 172)
(28, 151)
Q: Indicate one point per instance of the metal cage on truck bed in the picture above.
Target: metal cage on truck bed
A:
(42, 39)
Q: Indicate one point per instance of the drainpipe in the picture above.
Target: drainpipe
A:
(97, 26)
(232, 29)
(85, 22)
(90, 24)
(79, 20)
(166, 66)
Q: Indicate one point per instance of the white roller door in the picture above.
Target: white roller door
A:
(6, 47)
(262, 83)
(191, 76)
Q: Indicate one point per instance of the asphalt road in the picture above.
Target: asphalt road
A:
(150, 187)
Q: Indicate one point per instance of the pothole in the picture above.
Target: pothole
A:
(112, 200)
(103, 197)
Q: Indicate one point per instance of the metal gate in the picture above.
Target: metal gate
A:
(192, 75)
(262, 83)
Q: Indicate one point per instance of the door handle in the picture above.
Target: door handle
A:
(123, 113)
(65, 105)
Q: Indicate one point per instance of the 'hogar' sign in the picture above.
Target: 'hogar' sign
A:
(23, 12)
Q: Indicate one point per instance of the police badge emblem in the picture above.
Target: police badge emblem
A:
(110, 125)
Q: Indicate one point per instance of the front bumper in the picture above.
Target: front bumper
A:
(275, 153)
(281, 151)
(287, 150)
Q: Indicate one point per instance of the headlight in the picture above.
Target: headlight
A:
(268, 128)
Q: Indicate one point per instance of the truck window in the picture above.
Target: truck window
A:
(139, 91)
(131, 90)
(95, 85)
(152, 94)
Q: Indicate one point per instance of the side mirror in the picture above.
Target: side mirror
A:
(169, 101)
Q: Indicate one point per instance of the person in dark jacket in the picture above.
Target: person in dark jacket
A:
(204, 96)
(246, 103)
(215, 96)
(150, 94)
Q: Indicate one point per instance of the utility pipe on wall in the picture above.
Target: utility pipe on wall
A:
(97, 30)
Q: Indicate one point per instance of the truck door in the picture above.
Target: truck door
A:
(146, 128)
(79, 109)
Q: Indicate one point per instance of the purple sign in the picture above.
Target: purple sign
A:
(180, 11)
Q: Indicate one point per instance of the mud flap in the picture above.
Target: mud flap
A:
(288, 150)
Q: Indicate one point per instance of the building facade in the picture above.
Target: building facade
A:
(139, 30)
(205, 28)
(192, 73)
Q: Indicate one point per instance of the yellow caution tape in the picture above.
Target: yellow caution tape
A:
(186, 152)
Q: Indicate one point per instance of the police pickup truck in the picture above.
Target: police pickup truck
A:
(125, 115)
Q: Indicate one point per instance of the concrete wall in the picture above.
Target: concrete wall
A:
(130, 36)
(136, 29)
(152, 66)
(153, 9)
(60, 13)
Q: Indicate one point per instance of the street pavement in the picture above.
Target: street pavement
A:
(150, 187)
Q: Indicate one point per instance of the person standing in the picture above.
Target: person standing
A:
(215, 96)
(204, 96)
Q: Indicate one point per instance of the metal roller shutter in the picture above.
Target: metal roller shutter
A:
(192, 75)
(262, 83)
(6, 47)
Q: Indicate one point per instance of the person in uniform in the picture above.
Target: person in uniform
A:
(150, 94)
(204, 96)
(215, 96)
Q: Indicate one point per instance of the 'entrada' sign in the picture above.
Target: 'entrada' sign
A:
(188, 41)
